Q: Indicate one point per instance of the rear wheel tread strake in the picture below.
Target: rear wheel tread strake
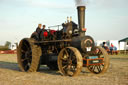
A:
(36, 53)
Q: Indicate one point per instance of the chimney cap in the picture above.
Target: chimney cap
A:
(81, 6)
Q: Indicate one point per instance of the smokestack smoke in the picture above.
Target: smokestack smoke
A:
(81, 2)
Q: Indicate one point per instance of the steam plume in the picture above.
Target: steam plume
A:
(81, 2)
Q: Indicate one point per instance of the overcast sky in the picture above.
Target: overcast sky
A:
(105, 19)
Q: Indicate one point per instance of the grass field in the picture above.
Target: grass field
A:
(10, 74)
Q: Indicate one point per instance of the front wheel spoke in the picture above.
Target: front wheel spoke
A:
(99, 68)
(93, 68)
(99, 53)
(90, 67)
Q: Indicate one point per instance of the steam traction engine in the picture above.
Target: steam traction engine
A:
(67, 49)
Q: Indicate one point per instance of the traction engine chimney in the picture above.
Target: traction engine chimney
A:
(81, 19)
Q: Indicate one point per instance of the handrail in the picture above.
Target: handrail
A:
(55, 26)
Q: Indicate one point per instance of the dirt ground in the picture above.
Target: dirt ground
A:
(10, 74)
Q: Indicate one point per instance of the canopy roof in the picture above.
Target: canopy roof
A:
(124, 40)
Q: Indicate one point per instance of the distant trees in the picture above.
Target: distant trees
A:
(6, 46)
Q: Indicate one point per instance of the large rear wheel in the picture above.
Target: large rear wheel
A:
(28, 55)
(70, 61)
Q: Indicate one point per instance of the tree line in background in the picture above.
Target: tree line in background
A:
(6, 46)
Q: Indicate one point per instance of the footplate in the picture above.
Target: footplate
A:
(92, 61)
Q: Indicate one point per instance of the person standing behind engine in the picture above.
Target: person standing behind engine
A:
(43, 33)
(43, 27)
(36, 35)
(38, 29)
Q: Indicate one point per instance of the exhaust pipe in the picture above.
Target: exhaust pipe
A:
(81, 19)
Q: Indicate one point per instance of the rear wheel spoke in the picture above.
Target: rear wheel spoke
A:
(26, 67)
(65, 66)
(26, 57)
(65, 62)
(69, 65)
(27, 47)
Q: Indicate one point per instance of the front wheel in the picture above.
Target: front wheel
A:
(103, 55)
